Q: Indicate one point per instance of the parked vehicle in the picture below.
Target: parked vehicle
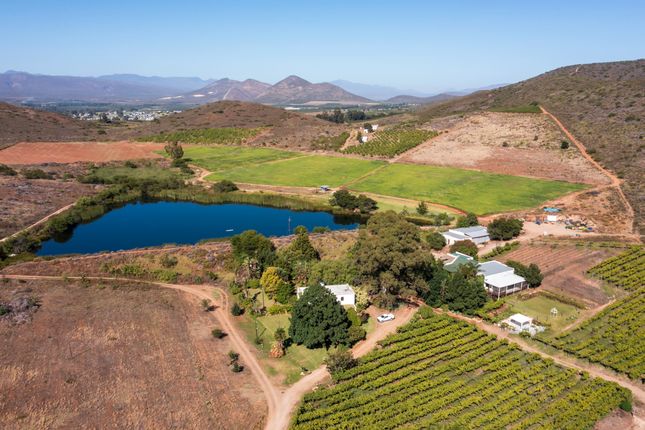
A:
(385, 318)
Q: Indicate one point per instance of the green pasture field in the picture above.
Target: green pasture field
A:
(539, 307)
(469, 190)
(216, 158)
(307, 171)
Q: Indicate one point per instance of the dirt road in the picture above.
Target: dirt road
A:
(280, 404)
(223, 318)
(615, 181)
(293, 395)
(37, 223)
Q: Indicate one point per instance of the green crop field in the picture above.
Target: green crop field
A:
(216, 158)
(469, 190)
(220, 136)
(438, 372)
(307, 171)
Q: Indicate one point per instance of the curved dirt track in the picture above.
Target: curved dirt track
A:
(292, 396)
(221, 314)
(615, 181)
(40, 221)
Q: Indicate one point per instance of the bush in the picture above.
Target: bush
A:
(422, 208)
(236, 310)
(355, 334)
(320, 229)
(168, 261)
(36, 174)
(279, 309)
(225, 186)
(626, 405)
(465, 247)
(340, 360)
(237, 367)
(505, 228)
(469, 220)
(344, 199)
(284, 293)
(564, 145)
(436, 240)
(130, 164)
(218, 333)
(7, 171)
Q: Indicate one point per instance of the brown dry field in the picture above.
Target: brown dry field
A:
(117, 355)
(25, 201)
(73, 152)
(513, 144)
(564, 267)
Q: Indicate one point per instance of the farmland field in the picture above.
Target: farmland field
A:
(469, 190)
(442, 373)
(308, 171)
(220, 136)
(614, 337)
(539, 307)
(216, 158)
(388, 143)
(464, 189)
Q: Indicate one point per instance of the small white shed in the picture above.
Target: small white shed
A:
(344, 293)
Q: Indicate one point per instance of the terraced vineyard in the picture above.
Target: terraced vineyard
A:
(388, 143)
(614, 337)
(442, 373)
(219, 136)
(626, 271)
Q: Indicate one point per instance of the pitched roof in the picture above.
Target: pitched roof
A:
(340, 289)
(459, 260)
(476, 231)
(493, 267)
(501, 280)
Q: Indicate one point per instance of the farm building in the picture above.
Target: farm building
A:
(518, 323)
(343, 292)
(477, 234)
(500, 279)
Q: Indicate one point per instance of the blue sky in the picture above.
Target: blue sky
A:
(424, 45)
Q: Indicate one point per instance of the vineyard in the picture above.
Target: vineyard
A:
(219, 136)
(626, 270)
(437, 372)
(614, 337)
(388, 143)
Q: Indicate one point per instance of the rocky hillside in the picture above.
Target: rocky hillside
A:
(602, 104)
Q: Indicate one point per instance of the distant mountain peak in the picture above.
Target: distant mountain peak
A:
(293, 81)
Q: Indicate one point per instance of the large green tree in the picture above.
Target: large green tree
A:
(505, 228)
(469, 220)
(462, 291)
(531, 273)
(251, 245)
(318, 319)
(391, 259)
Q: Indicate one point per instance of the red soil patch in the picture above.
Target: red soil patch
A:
(72, 152)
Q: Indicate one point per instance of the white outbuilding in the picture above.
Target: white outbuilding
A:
(344, 293)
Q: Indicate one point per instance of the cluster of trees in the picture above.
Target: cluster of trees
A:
(225, 186)
(465, 247)
(468, 220)
(462, 291)
(337, 116)
(531, 273)
(505, 228)
(174, 150)
(344, 199)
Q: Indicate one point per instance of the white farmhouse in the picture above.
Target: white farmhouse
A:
(343, 292)
(500, 279)
(477, 234)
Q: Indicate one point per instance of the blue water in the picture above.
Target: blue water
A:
(137, 225)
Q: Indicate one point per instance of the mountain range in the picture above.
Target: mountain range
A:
(20, 87)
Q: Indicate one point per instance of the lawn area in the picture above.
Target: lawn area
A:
(297, 356)
(307, 171)
(215, 158)
(539, 307)
(469, 190)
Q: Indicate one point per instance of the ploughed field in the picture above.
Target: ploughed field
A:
(438, 372)
(468, 190)
(119, 355)
(614, 337)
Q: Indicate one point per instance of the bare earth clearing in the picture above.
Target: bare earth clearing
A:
(514, 144)
(72, 152)
(25, 201)
(119, 355)
(564, 268)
